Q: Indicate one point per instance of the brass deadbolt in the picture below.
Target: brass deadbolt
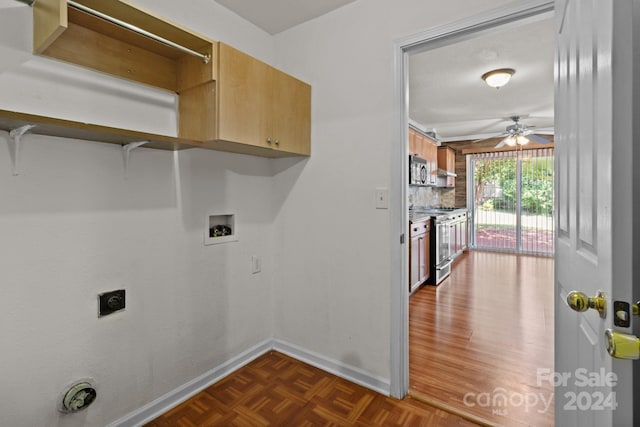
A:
(622, 346)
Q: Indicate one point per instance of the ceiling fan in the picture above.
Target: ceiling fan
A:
(520, 134)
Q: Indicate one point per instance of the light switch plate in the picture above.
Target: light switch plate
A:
(256, 264)
(382, 198)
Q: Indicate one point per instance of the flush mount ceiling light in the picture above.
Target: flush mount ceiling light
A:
(498, 78)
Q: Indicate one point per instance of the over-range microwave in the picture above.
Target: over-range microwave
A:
(418, 174)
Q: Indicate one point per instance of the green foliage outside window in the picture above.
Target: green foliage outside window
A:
(537, 184)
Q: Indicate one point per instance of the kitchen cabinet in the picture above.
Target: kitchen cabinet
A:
(464, 233)
(227, 100)
(419, 253)
(458, 229)
(250, 103)
(425, 147)
(431, 155)
(447, 167)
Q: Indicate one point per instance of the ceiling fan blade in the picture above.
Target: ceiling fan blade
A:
(491, 137)
(538, 139)
(501, 143)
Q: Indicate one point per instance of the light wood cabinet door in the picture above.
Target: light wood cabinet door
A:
(414, 263)
(431, 155)
(243, 94)
(412, 142)
(260, 105)
(418, 145)
(447, 162)
(289, 113)
(419, 254)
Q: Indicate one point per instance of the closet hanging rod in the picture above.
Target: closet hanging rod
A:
(205, 56)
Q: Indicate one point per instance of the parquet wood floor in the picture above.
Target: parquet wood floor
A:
(277, 390)
(486, 330)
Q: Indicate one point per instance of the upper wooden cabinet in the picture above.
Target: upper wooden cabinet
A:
(427, 148)
(251, 103)
(227, 100)
(447, 166)
(431, 154)
(66, 33)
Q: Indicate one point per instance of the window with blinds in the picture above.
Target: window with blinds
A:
(511, 201)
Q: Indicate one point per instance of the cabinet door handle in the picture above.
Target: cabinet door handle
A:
(277, 142)
(268, 140)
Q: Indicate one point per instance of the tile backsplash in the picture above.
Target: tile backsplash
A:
(431, 197)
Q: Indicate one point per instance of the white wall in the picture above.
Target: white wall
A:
(332, 286)
(72, 226)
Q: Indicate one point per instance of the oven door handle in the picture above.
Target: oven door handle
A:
(444, 265)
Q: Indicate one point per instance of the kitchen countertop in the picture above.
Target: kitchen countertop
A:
(422, 213)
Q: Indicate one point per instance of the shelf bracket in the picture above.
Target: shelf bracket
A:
(126, 153)
(15, 137)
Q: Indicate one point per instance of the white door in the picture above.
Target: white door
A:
(594, 177)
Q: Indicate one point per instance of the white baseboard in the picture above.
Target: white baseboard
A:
(175, 397)
(335, 367)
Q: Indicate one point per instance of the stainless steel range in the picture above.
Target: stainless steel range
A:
(445, 236)
(441, 244)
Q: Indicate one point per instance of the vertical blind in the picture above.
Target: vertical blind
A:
(511, 201)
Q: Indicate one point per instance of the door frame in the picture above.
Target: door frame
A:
(512, 14)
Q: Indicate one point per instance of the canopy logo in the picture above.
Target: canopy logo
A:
(501, 400)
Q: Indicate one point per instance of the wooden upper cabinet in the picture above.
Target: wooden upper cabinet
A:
(260, 105)
(68, 34)
(446, 159)
(426, 148)
(431, 155)
(412, 142)
(415, 143)
(243, 98)
(289, 107)
(233, 102)
(250, 103)
(447, 163)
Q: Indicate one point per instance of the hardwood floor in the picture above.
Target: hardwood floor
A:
(485, 332)
(277, 390)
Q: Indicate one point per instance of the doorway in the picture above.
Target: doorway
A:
(439, 37)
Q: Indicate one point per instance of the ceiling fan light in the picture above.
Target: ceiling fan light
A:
(510, 141)
(498, 78)
(522, 140)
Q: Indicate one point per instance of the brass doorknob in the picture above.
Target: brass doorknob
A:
(622, 346)
(579, 301)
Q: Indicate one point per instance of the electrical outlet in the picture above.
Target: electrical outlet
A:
(110, 302)
(256, 264)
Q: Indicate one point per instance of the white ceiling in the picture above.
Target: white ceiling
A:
(446, 92)
(275, 16)
(445, 89)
